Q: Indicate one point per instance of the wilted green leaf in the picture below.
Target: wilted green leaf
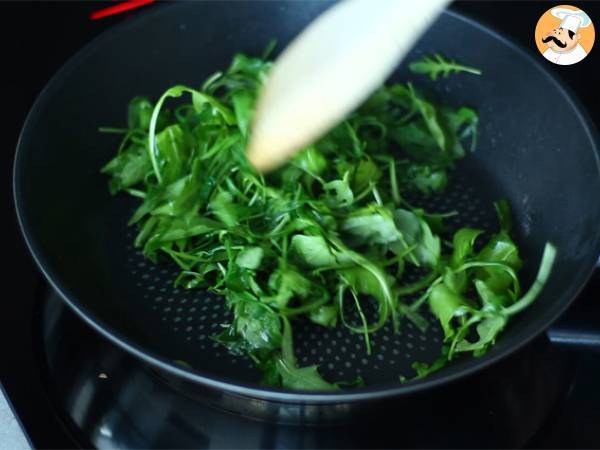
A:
(250, 258)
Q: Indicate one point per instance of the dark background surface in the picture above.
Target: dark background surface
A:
(37, 38)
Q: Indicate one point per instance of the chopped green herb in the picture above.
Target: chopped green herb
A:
(437, 65)
(329, 233)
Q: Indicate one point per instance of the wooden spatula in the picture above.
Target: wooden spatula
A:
(330, 69)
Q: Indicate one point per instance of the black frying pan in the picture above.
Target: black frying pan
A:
(536, 147)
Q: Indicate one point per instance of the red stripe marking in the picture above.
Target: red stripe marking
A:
(117, 9)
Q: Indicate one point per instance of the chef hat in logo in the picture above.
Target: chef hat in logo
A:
(571, 19)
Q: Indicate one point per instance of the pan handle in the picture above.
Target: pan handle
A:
(579, 327)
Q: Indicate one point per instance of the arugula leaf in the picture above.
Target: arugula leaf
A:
(343, 195)
(243, 104)
(373, 224)
(365, 173)
(368, 278)
(288, 283)
(331, 231)
(250, 258)
(457, 281)
(255, 330)
(195, 190)
(548, 258)
(293, 377)
(302, 378)
(417, 232)
(423, 370)
(499, 249)
(488, 329)
(488, 296)
(224, 207)
(172, 152)
(313, 250)
(426, 179)
(437, 65)
(128, 168)
(446, 304)
(260, 328)
(462, 243)
(310, 160)
(504, 216)
(139, 113)
(371, 282)
(252, 68)
(430, 117)
(462, 124)
(325, 315)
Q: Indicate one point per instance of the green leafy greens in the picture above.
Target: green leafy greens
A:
(326, 234)
(437, 65)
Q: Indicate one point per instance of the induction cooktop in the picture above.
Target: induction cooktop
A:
(71, 388)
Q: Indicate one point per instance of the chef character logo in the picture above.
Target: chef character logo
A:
(564, 35)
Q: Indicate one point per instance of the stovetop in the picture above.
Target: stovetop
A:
(70, 388)
(110, 400)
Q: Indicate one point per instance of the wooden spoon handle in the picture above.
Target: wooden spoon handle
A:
(330, 69)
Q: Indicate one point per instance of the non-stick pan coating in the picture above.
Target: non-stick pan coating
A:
(536, 148)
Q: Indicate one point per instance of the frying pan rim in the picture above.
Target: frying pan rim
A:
(532, 330)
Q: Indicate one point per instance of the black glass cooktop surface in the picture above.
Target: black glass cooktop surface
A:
(70, 388)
